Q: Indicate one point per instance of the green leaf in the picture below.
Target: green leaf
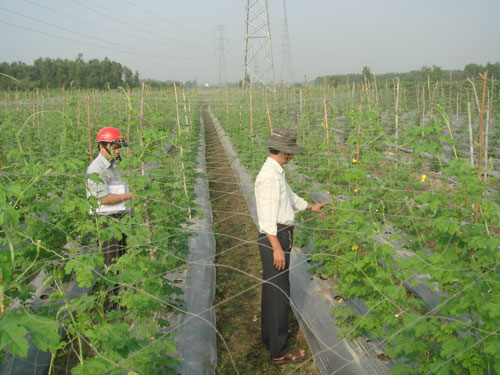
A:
(12, 335)
(42, 330)
(92, 366)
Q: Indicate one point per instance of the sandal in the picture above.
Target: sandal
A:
(293, 356)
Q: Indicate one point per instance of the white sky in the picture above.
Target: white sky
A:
(166, 39)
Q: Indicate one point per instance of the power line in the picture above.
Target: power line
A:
(161, 18)
(129, 24)
(69, 39)
(75, 32)
(90, 23)
(127, 51)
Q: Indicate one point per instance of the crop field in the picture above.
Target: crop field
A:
(47, 234)
(409, 246)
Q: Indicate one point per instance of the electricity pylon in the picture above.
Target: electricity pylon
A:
(222, 59)
(287, 70)
(258, 64)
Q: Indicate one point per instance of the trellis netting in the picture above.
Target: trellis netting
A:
(195, 328)
(312, 307)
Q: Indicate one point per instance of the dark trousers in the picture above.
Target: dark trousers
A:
(275, 295)
(115, 247)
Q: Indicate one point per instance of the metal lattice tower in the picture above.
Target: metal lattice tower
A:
(258, 63)
(222, 59)
(287, 71)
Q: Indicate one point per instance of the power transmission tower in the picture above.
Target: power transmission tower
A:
(222, 59)
(258, 61)
(287, 70)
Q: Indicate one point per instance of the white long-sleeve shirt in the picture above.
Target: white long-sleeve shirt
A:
(276, 202)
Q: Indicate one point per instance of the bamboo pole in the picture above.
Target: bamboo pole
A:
(450, 101)
(484, 77)
(417, 96)
(376, 88)
(185, 108)
(475, 95)
(38, 113)
(397, 109)
(177, 109)
(129, 117)
(141, 122)
(471, 138)
(301, 105)
(423, 106)
(269, 118)
(486, 136)
(306, 100)
(327, 138)
(89, 125)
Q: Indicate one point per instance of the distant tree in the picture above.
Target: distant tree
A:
(493, 70)
(425, 73)
(366, 74)
(472, 70)
(436, 74)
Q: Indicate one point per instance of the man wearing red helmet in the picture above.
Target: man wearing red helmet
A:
(110, 190)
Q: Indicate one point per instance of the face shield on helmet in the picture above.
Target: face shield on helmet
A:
(112, 136)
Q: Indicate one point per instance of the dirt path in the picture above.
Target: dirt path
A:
(238, 274)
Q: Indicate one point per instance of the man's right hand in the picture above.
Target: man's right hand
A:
(279, 259)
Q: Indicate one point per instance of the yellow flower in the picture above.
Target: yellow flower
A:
(356, 191)
(423, 178)
(354, 247)
(354, 160)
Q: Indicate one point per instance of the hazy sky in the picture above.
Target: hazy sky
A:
(165, 39)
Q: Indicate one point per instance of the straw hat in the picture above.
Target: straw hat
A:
(285, 140)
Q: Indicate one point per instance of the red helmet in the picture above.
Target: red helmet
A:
(111, 135)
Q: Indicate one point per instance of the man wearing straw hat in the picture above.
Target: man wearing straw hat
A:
(276, 208)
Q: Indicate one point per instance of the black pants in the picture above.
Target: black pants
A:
(275, 295)
(115, 247)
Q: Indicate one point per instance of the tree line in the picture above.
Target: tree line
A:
(57, 73)
(434, 73)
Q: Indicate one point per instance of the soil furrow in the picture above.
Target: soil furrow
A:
(238, 275)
